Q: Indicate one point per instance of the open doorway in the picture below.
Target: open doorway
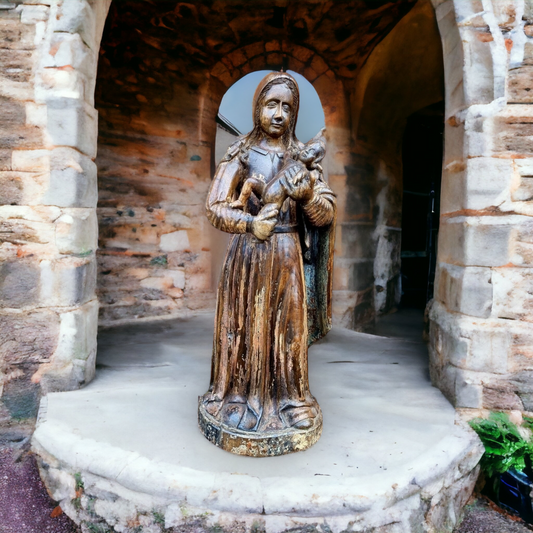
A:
(422, 169)
(422, 151)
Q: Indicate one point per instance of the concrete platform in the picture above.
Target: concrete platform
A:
(391, 457)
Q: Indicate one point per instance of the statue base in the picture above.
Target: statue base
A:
(253, 444)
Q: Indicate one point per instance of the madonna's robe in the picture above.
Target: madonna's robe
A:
(259, 376)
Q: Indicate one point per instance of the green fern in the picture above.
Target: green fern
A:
(505, 448)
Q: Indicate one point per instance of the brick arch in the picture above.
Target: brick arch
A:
(274, 55)
(270, 55)
(333, 96)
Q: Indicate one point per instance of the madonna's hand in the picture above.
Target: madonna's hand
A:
(263, 224)
(299, 184)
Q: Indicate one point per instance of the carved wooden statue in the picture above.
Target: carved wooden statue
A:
(274, 297)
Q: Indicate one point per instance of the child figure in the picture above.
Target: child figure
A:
(276, 191)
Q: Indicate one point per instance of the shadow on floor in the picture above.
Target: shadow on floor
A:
(406, 323)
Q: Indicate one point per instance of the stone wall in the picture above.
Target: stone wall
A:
(163, 72)
(48, 192)
(153, 175)
(147, 105)
(481, 331)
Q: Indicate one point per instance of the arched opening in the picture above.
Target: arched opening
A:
(158, 147)
(163, 71)
(398, 80)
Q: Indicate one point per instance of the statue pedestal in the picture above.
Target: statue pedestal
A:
(391, 456)
(253, 444)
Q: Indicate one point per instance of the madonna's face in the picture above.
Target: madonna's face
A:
(276, 110)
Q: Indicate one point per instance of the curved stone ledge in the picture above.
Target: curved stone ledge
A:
(165, 470)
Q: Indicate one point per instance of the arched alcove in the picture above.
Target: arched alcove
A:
(190, 53)
(156, 156)
(398, 79)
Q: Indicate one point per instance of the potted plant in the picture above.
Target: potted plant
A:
(507, 462)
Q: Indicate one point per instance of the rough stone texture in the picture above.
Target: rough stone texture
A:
(157, 138)
(48, 192)
(162, 73)
(481, 316)
(398, 79)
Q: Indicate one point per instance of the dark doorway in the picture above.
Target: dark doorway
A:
(422, 168)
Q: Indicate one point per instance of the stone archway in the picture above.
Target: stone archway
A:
(480, 346)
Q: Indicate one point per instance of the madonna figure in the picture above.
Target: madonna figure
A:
(274, 297)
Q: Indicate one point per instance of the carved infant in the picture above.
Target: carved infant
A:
(276, 191)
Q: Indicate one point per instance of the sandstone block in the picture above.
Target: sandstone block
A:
(343, 306)
(77, 16)
(197, 282)
(477, 241)
(357, 240)
(63, 82)
(73, 181)
(522, 384)
(33, 14)
(175, 241)
(178, 278)
(487, 181)
(67, 282)
(77, 334)
(71, 376)
(448, 347)
(524, 192)
(353, 274)
(479, 76)
(523, 254)
(77, 231)
(490, 346)
(499, 395)
(179, 220)
(30, 160)
(15, 36)
(512, 130)
(468, 390)
(469, 343)
(19, 283)
(27, 337)
(22, 188)
(513, 297)
(157, 283)
(29, 227)
(478, 136)
(466, 290)
(72, 123)
(520, 85)
(69, 50)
